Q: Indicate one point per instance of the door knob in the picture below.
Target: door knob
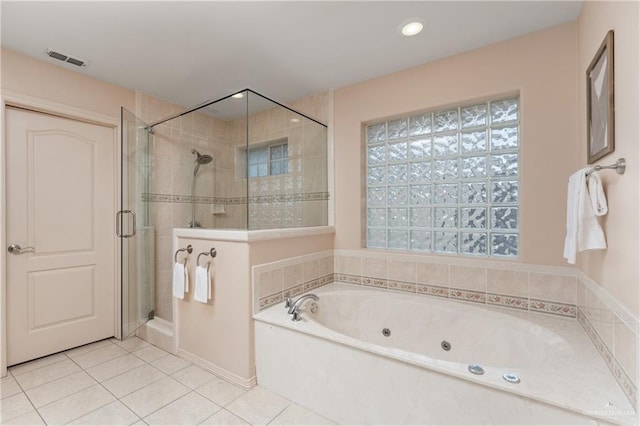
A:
(16, 249)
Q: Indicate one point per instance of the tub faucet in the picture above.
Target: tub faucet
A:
(294, 308)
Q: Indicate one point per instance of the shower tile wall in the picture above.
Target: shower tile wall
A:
(298, 198)
(223, 185)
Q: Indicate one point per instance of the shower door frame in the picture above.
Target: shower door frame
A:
(132, 197)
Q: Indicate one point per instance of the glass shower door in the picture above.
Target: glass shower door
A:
(133, 226)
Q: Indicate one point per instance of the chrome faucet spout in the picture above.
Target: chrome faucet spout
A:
(294, 308)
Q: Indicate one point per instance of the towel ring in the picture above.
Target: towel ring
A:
(211, 253)
(188, 249)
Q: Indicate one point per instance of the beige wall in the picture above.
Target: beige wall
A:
(617, 269)
(29, 76)
(541, 66)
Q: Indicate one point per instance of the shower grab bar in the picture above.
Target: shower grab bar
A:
(620, 167)
(188, 249)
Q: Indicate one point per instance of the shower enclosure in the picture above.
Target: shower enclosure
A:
(243, 162)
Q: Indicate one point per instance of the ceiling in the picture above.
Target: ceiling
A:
(190, 52)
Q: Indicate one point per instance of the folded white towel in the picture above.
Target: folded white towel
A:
(596, 194)
(180, 280)
(583, 230)
(202, 290)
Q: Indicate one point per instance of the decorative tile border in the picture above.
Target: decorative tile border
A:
(260, 199)
(289, 198)
(616, 369)
(432, 290)
(521, 303)
(274, 299)
(554, 308)
(508, 301)
(467, 295)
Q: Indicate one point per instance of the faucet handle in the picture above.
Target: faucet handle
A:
(296, 316)
(287, 302)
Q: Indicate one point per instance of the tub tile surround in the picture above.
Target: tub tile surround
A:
(557, 291)
(550, 290)
(273, 282)
(613, 331)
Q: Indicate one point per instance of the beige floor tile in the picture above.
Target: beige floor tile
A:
(193, 376)
(132, 344)
(224, 418)
(35, 364)
(190, 409)
(60, 388)
(47, 374)
(9, 387)
(147, 400)
(77, 405)
(114, 367)
(170, 364)
(133, 380)
(98, 356)
(297, 415)
(14, 406)
(88, 348)
(150, 353)
(220, 392)
(115, 413)
(258, 406)
(32, 418)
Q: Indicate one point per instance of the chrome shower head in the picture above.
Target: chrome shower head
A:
(200, 159)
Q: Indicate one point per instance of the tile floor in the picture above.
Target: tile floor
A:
(132, 382)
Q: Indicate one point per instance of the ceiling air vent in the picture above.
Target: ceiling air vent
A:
(64, 58)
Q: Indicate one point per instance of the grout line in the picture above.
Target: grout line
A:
(85, 414)
(28, 399)
(281, 411)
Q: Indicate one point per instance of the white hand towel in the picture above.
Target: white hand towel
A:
(596, 194)
(202, 290)
(583, 230)
(180, 280)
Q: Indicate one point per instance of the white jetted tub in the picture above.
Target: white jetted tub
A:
(377, 357)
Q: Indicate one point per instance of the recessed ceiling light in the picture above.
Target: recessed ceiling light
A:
(412, 28)
(237, 95)
(295, 120)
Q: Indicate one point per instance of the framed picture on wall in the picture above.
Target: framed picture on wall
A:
(600, 102)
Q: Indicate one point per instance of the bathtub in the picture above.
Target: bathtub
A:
(378, 357)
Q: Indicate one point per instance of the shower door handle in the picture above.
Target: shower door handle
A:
(119, 219)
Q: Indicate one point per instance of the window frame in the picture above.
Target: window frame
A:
(281, 144)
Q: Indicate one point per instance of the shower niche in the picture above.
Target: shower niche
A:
(243, 162)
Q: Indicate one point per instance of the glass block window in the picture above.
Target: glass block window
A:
(446, 181)
(268, 161)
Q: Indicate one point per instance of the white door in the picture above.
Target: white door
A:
(60, 211)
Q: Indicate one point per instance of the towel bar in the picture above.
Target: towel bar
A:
(188, 249)
(620, 166)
